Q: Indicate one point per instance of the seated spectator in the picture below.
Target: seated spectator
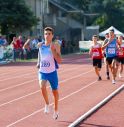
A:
(2, 42)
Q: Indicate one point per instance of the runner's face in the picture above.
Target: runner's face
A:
(48, 35)
(94, 39)
(111, 34)
(120, 39)
(107, 36)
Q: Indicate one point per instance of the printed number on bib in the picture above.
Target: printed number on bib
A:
(120, 53)
(45, 64)
(111, 50)
(95, 53)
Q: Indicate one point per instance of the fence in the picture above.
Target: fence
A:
(84, 46)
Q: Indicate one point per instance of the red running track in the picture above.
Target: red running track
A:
(110, 115)
(21, 104)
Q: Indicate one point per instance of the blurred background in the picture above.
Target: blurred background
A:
(72, 20)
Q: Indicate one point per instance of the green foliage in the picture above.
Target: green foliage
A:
(111, 12)
(15, 16)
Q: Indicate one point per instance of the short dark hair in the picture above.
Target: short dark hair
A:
(106, 33)
(49, 29)
(111, 30)
(95, 36)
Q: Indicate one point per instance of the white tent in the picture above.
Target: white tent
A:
(117, 32)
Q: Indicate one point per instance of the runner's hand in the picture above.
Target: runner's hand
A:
(39, 44)
(38, 65)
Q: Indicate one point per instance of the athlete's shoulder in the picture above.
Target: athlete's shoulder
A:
(105, 41)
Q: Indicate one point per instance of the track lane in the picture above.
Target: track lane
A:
(69, 90)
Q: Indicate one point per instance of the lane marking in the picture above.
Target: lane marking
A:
(13, 71)
(84, 116)
(17, 99)
(39, 90)
(37, 79)
(23, 75)
(17, 85)
(35, 112)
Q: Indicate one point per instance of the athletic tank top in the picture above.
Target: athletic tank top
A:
(47, 63)
(96, 52)
(120, 52)
(111, 49)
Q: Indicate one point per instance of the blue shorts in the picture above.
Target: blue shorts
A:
(51, 77)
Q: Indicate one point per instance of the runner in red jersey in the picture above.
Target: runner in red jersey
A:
(120, 55)
(96, 53)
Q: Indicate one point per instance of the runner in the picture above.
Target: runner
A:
(120, 53)
(111, 54)
(47, 70)
(106, 64)
(96, 53)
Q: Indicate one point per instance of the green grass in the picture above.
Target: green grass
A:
(28, 60)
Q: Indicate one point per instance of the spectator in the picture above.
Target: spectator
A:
(57, 40)
(2, 42)
(34, 48)
(20, 45)
(15, 48)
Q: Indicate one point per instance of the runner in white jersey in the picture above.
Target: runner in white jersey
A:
(48, 53)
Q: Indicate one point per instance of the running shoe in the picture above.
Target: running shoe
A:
(46, 109)
(113, 82)
(108, 77)
(99, 79)
(55, 115)
(120, 75)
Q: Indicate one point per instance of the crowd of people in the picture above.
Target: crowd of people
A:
(21, 52)
(112, 50)
(25, 48)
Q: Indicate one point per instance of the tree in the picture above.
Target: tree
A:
(111, 13)
(15, 16)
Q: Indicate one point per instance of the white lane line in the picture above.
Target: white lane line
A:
(30, 73)
(35, 112)
(84, 116)
(13, 71)
(17, 85)
(37, 79)
(76, 76)
(22, 97)
(19, 76)
(17, 99)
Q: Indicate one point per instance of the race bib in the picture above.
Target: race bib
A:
(96, 54)
(45, 64)
(111, 51)
(120, 53)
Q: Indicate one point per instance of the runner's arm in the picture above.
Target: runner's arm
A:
(105, 44)
(55, 48)
(90, 51)
(38, 60)
(26, 45)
